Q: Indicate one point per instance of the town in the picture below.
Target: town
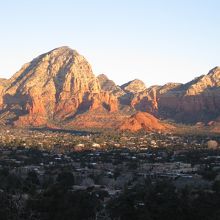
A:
(31, 160)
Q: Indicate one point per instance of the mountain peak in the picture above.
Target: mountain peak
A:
(63, 49)
(109, 85)
(102, 77)
(63, 52)
(59, 86)
(60, 62)
(56, 84)
(214, 70)
(134, 86)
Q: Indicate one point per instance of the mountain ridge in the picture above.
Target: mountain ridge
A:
(59, 88)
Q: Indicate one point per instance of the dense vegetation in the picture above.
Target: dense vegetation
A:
(160, 200)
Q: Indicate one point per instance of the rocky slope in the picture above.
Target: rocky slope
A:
(144, 121)
(52, 88)
(134, 86)
(3, 85)
(195, 101)
(94, 119)
(59, 89)
(198, 100)
(109, 86)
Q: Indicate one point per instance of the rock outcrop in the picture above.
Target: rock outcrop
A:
(144, 121)
(109, 86)
(54, 87)
(198, 100)
(134, 86)
(3, 85)
(59, 89)
(195, 101)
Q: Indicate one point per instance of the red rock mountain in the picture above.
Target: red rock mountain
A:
(198, 100)
(134, 86)
(3, 84)
(109, 86)
(52, 88)
(144, 121)
(59, 89)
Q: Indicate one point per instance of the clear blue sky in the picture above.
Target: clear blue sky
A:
(157, 41)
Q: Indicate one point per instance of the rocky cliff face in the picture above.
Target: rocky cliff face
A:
(58, 88)
(197, 100)
(131, 89)
(54, 87)
(109, 86)
(3, 85)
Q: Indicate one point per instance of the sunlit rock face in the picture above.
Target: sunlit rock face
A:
(144, 121)
(3, 85)
(59, 89)
(197, 100)
(134, 86)
(109, 86)
(53, 87)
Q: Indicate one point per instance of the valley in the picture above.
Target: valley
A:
(70, 137)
